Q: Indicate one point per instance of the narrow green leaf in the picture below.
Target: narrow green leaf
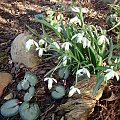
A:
(102, 68)
(110, 51)
(100, 79)
(48, 25)
(34, 32)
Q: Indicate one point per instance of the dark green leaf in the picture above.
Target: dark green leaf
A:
(29, 111)
(31, 78)
(29, 94)
(100, 79)
(58, 92)
(10, 108)
(63, 73)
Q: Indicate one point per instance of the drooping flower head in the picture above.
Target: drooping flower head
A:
(73, 90)
(66, 45)
(50, 81)
(102, 39)
(111, 74)
(83, 71)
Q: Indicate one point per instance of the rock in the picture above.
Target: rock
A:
(19, 54)
(5, 79)
(78, 106)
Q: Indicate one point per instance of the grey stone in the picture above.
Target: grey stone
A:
(21, 55)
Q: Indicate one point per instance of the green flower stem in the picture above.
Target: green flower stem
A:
(76, 81)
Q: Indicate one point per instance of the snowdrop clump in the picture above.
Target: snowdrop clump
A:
(81, 49)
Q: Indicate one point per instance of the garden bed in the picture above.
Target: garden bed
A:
(14, 16)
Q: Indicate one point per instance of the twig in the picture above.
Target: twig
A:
(46, 111)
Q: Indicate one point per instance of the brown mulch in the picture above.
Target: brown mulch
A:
(14, 16)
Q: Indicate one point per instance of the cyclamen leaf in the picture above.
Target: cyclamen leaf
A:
(31, 78)
(10, 108)
(19, 87)
(58, 92)
(24, 84)
(29, 94)
(29, 111)
(63, 73)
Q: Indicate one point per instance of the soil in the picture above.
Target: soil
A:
(14, 16)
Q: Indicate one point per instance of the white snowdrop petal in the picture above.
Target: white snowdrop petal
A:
(29, 43)
(88, 73)
(41, 42)
(66, 45)
(50, 82)
(71, 92)
(78, 90)
(71, 87)
(37, 48)
(107, 40)
(75, 20)
(109, 75)
(40, 53)
(64, 60)
(36, 44)
(54, 80)
(46, 79)
(102, 39)
(74, 36)
(80, 37)
(86, 42)
(108, 70)
(78, 73)
(75, 9)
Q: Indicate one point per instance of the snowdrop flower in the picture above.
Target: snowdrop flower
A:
(86, 42)
(111, 74)
(29, 43)
(56, 45)
(42, 42)
(75, 9)
(59, 29)
(64, 60)
(83, 71)
(50, 81)
(102, 39)
(75, 20)
(73, 90)
(79, 37)
(66, 45)
(40, 51)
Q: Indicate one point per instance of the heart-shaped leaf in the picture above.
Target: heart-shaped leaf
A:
(24, 84)
(29, 111)
(19, 87)
(63, 73)
(31, 78)
(10, 108)
(29, 94)
(58, 92)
